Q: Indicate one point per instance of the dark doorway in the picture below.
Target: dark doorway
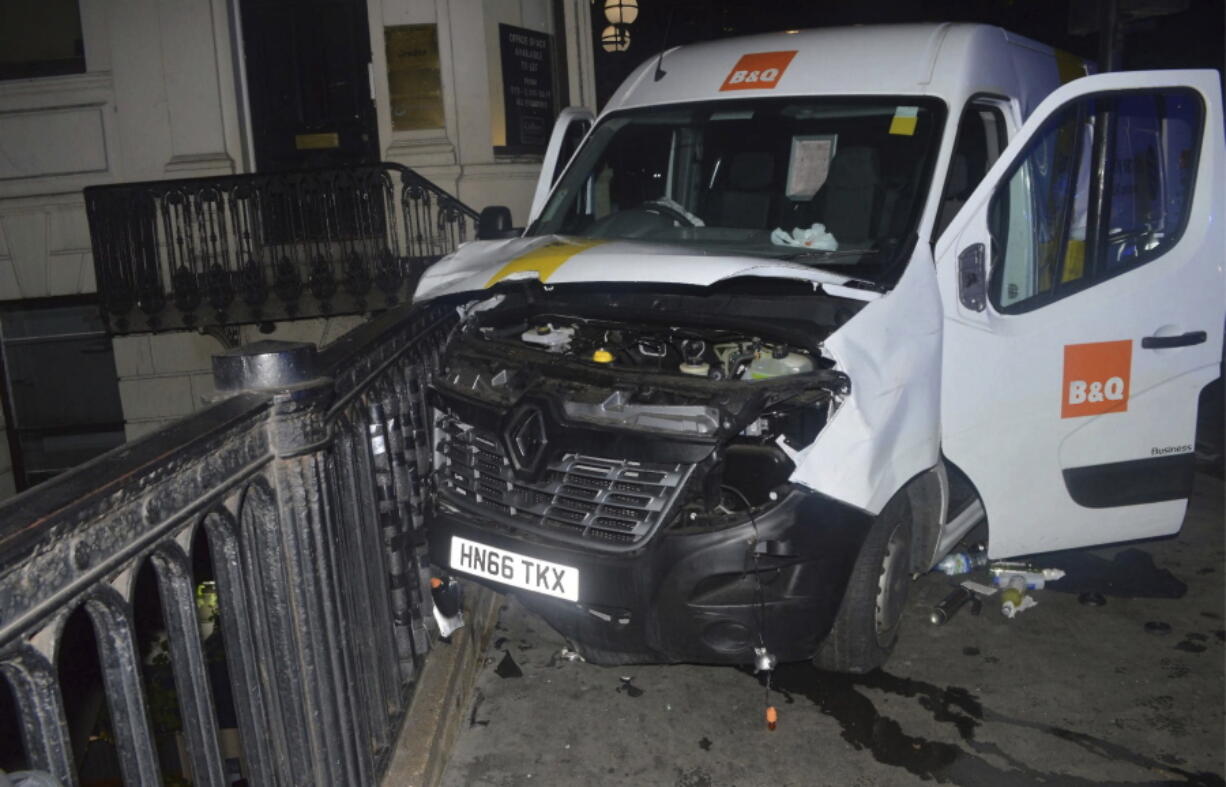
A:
(308, 83)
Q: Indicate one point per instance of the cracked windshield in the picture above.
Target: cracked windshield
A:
(834, 183)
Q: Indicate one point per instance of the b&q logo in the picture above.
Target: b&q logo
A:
(1096, 378)
(760, 71)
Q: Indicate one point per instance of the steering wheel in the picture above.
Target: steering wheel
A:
(664, 208)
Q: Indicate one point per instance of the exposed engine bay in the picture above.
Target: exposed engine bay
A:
(616, 415)
(711, 353)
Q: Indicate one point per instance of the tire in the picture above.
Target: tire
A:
(867, 623)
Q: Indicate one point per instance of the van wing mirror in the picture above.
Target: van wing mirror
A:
(495, 223)
(571, 127)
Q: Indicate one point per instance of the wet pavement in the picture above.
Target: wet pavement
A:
(1067, 693)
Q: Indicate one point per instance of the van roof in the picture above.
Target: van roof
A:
(940, 59)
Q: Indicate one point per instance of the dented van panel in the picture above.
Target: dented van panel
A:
(886, 431)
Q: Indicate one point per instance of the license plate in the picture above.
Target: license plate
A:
(514, 569)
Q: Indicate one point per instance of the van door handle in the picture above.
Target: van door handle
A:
(1182, 340)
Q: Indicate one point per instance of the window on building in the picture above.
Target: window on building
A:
(62, 396)
(40, 38)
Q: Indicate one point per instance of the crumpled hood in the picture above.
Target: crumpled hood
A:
(556, 259)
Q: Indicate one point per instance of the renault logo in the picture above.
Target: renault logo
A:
(526, 438)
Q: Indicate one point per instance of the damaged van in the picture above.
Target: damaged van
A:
(801, 310)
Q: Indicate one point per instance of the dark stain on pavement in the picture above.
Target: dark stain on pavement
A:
(1174, 669)
(473, 721)
(704, 743)
(1220, 634)
(507, 668)
(970, 650)
(1158, 627)
(843, 697)
(1188, 646)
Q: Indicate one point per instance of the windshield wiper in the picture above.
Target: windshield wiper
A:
(827, 255)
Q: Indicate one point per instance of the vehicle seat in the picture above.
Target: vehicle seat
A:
(851, 196)
(746, 200)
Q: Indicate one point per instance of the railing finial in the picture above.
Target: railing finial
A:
(264, 366)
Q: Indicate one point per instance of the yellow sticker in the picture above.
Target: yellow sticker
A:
(903, 123)
(543, 260)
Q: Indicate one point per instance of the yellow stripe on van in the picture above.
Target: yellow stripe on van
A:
(1069, 66)
(543, 260)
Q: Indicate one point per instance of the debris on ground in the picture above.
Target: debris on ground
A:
(962, 562)
(628, 687)
(447, 605)
(1013, 598)
(947, 607)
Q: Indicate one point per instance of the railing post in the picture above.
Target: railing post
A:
(303, 615)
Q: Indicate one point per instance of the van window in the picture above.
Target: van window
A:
(981, 138)
(757, 177)
(1043, 247)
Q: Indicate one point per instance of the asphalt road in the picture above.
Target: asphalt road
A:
(1131, 692)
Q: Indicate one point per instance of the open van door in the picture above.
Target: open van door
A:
(571, 127)
(1084, 296)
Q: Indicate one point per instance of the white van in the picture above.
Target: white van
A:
(804, 308)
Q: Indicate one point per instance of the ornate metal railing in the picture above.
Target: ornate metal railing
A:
(257, 248)
(302, 487)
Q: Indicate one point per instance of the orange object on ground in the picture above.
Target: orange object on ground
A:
(772, 717)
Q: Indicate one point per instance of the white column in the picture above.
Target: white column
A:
(580, 58)
(193, 89)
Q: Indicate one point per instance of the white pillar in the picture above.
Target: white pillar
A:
(580, 57)
(193, 89)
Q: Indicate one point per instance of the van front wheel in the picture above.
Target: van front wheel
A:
(866, 626)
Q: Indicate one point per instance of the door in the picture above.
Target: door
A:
(308, 82)
(1084, 298)
(569, 129)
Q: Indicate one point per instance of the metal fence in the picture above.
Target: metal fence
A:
(264, 247)
(303, 483)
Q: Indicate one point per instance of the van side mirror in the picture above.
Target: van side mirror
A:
(494, 223)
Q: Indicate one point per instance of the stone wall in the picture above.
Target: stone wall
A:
(165, 376)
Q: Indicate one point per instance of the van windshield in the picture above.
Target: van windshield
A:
(832, 182)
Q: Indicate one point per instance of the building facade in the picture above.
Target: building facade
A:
(108, 91)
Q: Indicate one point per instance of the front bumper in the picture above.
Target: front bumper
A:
(692, 595)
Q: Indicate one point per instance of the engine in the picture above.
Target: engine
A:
(709, 353)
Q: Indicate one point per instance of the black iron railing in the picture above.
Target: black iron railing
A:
(256, 248)
(303, 486)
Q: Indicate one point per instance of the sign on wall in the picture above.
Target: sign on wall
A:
(527, 88)
(413, 77)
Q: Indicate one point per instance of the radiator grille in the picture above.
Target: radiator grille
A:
(603, 501)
